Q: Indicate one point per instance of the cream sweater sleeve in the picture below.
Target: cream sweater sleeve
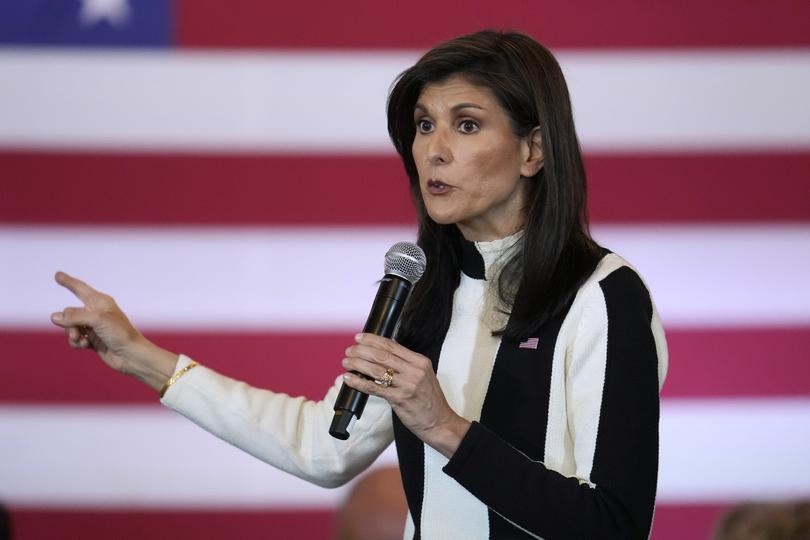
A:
(290, 433)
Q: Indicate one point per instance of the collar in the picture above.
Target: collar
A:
(478, 259)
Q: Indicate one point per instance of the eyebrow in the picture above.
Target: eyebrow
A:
(455, 108)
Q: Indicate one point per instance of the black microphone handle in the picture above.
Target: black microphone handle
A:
(382, 320)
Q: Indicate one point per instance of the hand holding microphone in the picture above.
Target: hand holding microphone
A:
(382, 367)
(404, 265)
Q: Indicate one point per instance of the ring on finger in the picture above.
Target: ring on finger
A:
(387, 378)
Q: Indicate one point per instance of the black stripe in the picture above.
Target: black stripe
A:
(517, 401)
(626, 457)
(472, 264)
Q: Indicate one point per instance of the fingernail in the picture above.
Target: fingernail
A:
(345, 362)
(347, 376)
(358, 337)
(57, 317)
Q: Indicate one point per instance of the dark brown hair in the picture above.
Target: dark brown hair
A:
(557, 252)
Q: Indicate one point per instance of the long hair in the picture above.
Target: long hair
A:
(557, 252)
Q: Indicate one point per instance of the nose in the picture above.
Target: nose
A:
(438, 150)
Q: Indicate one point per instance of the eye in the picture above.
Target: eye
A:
(424, 126)
(468, 126)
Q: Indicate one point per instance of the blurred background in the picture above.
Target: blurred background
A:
(223, 170)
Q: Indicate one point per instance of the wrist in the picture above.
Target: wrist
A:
(150, 364)
(447, 436)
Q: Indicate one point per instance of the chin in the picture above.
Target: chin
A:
(442, 218)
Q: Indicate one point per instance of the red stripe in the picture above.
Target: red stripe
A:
(421, 24)
(201, 189)
(768, 362)
(46, 524)
(302, 364)
(67, 188)
(738, 362)
(704, 188)
(672, 522)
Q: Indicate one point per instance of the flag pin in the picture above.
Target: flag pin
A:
(530, 343)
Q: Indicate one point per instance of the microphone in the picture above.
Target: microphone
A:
(404, 265)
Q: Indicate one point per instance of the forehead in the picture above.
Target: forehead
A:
(455, 89)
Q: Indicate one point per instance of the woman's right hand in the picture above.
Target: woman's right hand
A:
(101, 325)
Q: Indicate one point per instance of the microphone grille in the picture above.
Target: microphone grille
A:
(406, 260)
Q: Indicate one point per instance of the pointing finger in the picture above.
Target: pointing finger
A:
(78, 287)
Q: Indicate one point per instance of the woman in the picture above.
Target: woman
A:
(524, 380)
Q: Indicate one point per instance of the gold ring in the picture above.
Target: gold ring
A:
(387, 378)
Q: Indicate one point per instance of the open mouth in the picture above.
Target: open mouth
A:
(437, 187)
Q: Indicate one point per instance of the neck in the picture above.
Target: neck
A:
(481, 259)
(490, 233)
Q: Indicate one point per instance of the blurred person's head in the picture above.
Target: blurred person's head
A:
(766, 521)
(375, 509)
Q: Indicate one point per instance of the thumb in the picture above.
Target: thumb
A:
(73, 316)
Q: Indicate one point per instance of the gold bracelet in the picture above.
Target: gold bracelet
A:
(175, 377)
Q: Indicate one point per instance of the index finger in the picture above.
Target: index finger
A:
(78, 287)
(386, 344)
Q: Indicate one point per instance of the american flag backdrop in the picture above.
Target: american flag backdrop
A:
(223, 170)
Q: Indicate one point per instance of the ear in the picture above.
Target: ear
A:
(532, 153)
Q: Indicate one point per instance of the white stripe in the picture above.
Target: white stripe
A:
(139, 455)
(734, 450)
(731, 275)
(711, 451)
(701, 100)
(325, 278)
(335, 102)
(227, 101)
(201, 278)
(464, 373)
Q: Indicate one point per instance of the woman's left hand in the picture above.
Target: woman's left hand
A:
(414, 392)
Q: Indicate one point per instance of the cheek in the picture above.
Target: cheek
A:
(494, 170)
(418, 153)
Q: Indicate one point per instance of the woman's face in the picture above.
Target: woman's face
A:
(470, 161)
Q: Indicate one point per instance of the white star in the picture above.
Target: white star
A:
(116, 12)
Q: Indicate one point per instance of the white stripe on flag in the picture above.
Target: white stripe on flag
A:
(711, 451)
(146, 456)
(734, 450)
(325, 278)
(530, 343)
(335, 102)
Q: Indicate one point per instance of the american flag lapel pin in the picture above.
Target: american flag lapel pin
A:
(530, 343)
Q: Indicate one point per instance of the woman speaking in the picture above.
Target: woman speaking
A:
(522, 388)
